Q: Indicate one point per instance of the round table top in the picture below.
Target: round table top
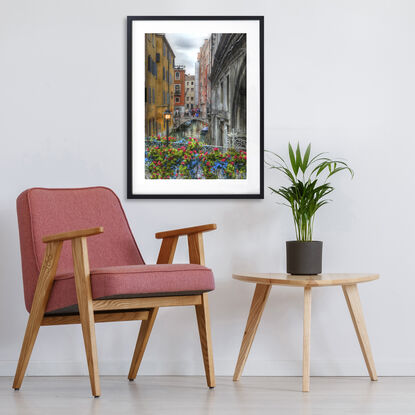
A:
(319, 280)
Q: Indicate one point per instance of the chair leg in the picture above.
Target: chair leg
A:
(40, 300)
(32, 330)
(203, 322)
(142, 340)
(86, 310)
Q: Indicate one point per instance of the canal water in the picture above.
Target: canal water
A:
(192, 128)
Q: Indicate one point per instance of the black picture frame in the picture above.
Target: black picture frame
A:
(130, 193)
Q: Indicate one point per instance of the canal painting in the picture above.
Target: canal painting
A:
(195, 106)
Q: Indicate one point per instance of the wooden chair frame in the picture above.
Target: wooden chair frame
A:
(126, 309)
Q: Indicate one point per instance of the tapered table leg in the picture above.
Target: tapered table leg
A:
(351, 294)
(306, 339)
(255, 313)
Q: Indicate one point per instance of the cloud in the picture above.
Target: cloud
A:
(186, 46)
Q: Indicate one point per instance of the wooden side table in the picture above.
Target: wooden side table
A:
(264, 282)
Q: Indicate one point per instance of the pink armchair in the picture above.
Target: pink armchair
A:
(105, 279)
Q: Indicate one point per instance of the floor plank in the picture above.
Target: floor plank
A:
(189, 395)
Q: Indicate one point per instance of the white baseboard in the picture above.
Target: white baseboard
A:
(222, 368)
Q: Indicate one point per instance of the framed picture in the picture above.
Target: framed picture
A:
(195, 107)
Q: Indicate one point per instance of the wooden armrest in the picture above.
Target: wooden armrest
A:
(186, 231)
(194, 239)
(73, 234)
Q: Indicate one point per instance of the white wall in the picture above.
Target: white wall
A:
(338, 73)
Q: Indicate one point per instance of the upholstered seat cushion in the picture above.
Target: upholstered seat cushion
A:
(134, 281)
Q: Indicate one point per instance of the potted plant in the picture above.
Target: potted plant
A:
(306, 193)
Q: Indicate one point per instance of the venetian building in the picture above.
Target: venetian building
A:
(159, 66)
(179, 90)
(204, 81)
(228, 90)
(190, 92)
(197, 82)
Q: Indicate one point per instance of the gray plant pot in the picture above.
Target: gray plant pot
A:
(304, 258)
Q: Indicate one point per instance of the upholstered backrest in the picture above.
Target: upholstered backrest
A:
(44, 212)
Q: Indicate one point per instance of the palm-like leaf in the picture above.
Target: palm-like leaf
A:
(305, 197)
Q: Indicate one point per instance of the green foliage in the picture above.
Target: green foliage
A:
(308, 185)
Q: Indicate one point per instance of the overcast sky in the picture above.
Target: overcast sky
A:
(186, 47)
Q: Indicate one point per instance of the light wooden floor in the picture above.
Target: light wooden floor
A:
(189, 395)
